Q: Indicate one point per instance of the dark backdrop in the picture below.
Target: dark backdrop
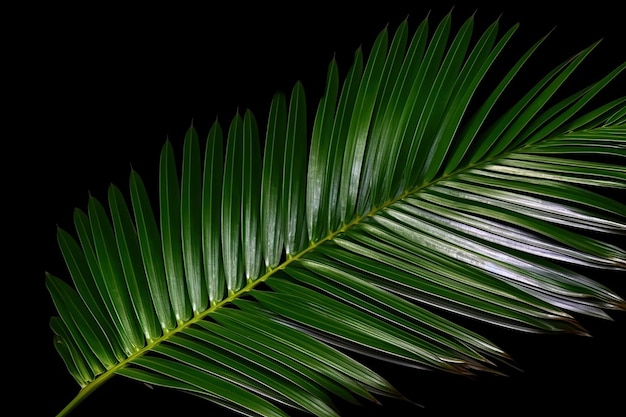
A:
(102, 89)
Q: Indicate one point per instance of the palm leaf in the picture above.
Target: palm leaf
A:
(266, 270)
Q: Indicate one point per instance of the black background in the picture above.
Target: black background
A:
(99, 90)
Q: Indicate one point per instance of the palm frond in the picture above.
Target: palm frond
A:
(259, 272)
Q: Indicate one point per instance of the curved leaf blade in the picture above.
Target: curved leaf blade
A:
(169, 198)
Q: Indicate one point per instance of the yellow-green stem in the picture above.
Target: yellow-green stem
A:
(92, 386)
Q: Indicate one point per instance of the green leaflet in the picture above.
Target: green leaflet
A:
(316, 199)
(211, 215)
(191, 222)
(134, 274)
(169, 198)
(231, 208)
(271, 186)
(251, 187)
(152, 256)
(294, 173)
(113, 276)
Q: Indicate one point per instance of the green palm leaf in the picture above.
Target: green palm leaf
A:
(264, 269)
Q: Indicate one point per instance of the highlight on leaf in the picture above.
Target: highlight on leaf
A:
(279, 248)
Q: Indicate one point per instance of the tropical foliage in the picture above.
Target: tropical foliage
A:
(359, 231)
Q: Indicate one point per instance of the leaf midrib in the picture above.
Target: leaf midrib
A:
(251, 284)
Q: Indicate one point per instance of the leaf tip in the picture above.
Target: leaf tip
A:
(410, 401)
